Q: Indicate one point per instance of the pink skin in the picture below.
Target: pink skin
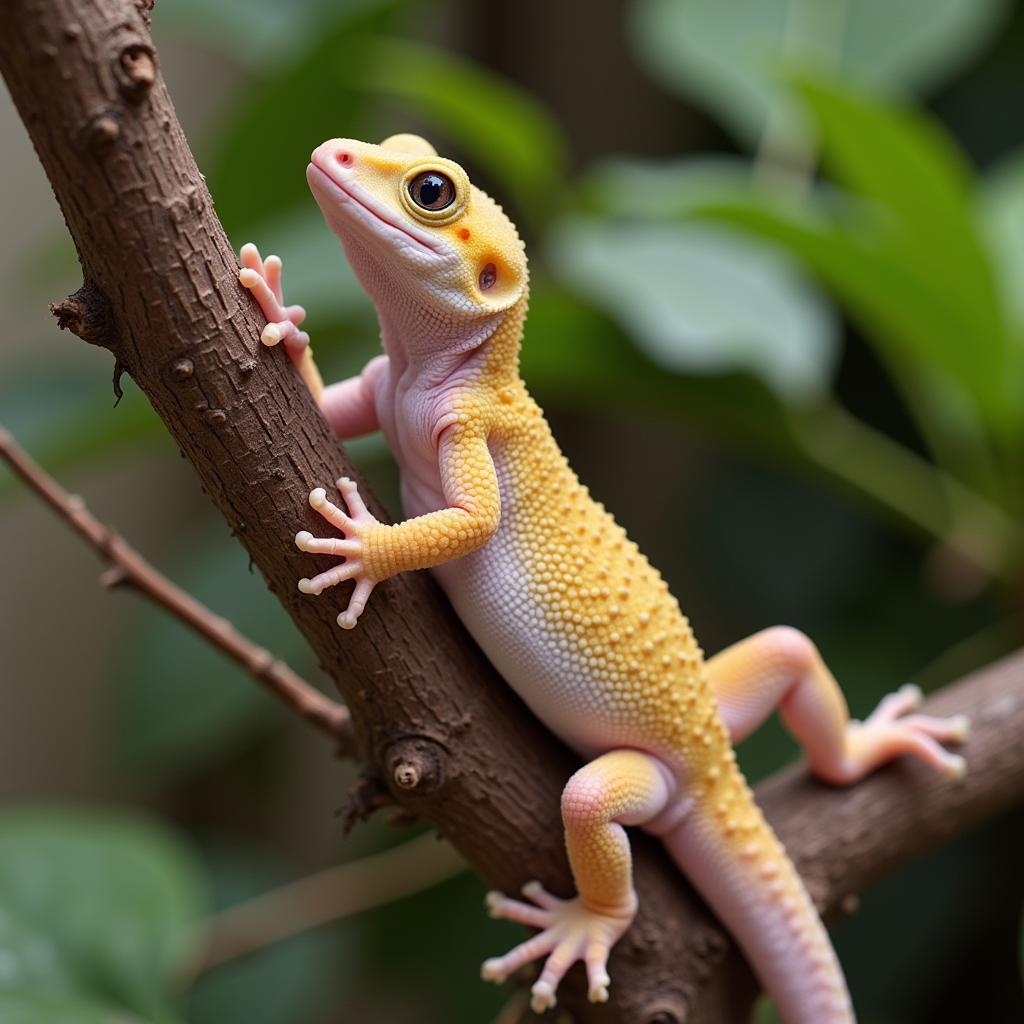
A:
(350, 407)
(572, 930)
(263, 279)
(405, 392)
(772, 918)
(567, 932)
(350, 548)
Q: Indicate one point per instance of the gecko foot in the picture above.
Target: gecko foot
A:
(569, 932)
(263, 279)
(350, 547)
(889, 731)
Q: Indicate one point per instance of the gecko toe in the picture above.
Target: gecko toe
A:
(490, 970)
(543, 997)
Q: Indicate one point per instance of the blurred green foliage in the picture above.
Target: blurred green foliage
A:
(727, 55)
(280, 984)
(169, 717)
(97, 911)
(713, 291)
(675, 292)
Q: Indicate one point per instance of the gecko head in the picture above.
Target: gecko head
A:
(418, 234)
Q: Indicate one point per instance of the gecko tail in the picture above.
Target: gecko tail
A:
(751, 884)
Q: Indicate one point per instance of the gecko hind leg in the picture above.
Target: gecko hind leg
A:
(624, 787)
(781, 667)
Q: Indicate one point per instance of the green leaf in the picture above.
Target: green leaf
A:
(701, 300)
(262, 147)
(94, 905)
(1001, 213)
(180, 704)
(764, 1012)
(727, 54)
(903, 312)
(903, 161)
(892, 154)
(500, 127)
(18, 1007)
(907, 258)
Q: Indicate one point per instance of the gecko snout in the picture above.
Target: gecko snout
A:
(336, 152)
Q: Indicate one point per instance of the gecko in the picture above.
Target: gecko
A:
(562, 602)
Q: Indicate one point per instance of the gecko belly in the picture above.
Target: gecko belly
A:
(574, 617)
(494, 595)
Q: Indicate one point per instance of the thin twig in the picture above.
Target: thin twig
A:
(127, 566)
(327, 896)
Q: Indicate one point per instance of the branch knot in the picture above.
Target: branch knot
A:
(135, 70)
(100, 131)
(87, 314)
(416, 764)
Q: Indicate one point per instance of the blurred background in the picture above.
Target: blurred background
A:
(777, 322)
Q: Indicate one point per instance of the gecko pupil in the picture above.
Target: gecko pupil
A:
(432, 191)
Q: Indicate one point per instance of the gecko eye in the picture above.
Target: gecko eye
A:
(432, 190)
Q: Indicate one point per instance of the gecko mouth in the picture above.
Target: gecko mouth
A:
(368, 210)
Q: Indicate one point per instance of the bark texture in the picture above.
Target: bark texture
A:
(433, 720)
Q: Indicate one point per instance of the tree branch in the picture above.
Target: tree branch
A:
(129, 567)
(432, 719)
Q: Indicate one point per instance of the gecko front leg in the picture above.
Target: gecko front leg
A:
(374, 551)
(351, 547)
(263, 279)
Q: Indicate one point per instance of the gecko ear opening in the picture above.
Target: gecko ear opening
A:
(414, 145)
(499, 284)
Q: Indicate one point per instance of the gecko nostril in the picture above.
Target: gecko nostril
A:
(344, 158)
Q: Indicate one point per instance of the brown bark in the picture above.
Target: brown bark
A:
(432, 718)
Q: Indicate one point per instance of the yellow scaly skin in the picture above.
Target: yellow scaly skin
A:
(561, 600)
